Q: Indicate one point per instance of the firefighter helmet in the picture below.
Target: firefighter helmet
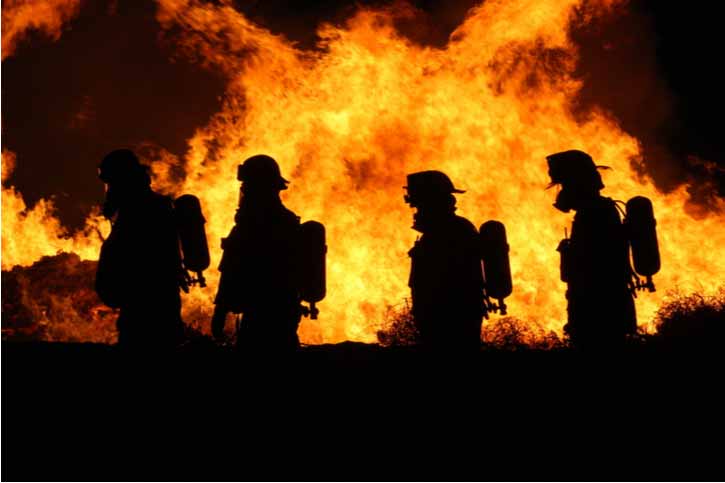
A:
(122, 165)
(261, 169)
(429, 184)
(574, 167)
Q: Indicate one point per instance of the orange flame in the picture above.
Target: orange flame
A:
(29, 234)
(347, 122)
(21, 16)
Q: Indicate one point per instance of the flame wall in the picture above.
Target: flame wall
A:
(348, 121)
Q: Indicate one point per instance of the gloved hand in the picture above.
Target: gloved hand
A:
(184, 280)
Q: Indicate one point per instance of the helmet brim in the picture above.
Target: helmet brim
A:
(455, 190)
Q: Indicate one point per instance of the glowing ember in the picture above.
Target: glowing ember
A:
(348, 121)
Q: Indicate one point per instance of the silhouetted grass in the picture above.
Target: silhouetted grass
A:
(398, 329)
(512, 334)
(688, 321)
(505, 333)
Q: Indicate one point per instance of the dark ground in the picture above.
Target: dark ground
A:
(359, 412)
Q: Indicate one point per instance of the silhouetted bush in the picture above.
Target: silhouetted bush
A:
(505, 333)
(691, 322)
(510, 333)
(399, 328)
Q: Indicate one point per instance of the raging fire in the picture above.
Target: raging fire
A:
(348, 120)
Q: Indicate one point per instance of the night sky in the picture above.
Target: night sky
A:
(112, 80)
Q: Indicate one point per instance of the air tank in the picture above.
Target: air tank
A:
(642, 233)
(496, 267)
(313, 252)
(192, 235)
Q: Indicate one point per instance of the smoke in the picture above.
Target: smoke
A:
(20, 17)
(108, 83)
(623, 75)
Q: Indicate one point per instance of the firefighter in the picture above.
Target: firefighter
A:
(595, 259)
(259, 269)
(446, 279)
(139, 268)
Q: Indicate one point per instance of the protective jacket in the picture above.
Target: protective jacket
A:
(139, 271)
(259, 274)
(599, 275)
(446, 283)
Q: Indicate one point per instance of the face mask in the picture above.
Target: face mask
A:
(418, 221)
(258, 194)
(564, 201)
(118, 196)
(428, 218)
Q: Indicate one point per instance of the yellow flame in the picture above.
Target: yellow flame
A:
(31, 233)
(347, 122)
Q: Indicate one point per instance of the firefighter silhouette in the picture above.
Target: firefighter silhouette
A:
(595, 259)
(259, 269)
(140, 268)
(446, 279)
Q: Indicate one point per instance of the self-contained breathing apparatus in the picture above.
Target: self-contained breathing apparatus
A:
(310, 247)
(312, 266)
(496, 265)
(192, 237)
(493, 245)
(122, 172)
(640, 228)
(576, 172)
